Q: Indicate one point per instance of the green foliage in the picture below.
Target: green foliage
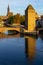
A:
(16, 19)
(39, 25)
(22, 20)
(0, 19)
(10, 19)
(19, 19)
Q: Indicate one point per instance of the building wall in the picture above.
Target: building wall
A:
(30, 22)
(26, 19)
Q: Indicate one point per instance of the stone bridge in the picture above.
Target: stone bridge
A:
(3, 29)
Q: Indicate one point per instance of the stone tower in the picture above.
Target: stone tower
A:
(30, 18)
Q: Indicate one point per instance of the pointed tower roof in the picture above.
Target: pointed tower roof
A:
(8, 10)
(30, 7)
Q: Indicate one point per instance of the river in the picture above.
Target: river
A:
(21, 50)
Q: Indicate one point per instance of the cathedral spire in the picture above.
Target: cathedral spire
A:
(8, 10)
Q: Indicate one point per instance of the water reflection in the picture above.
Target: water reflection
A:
(15, 50)
(30, 44)
(34, 50)
(41, 36)
(9, 36)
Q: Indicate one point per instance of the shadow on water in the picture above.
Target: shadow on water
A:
(22, 35)
(41, 36)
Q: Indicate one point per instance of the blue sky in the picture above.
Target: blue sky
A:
(19, 6)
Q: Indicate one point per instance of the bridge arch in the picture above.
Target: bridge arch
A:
(3, 29)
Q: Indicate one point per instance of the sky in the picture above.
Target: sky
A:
(19, 6)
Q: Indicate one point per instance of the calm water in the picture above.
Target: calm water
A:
(16, 50)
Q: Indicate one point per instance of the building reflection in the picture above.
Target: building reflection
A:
(30, 47)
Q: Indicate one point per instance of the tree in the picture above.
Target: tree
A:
(10, 19)
(0, 19)
(17, 18)
(22, 20)
(39, 25)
